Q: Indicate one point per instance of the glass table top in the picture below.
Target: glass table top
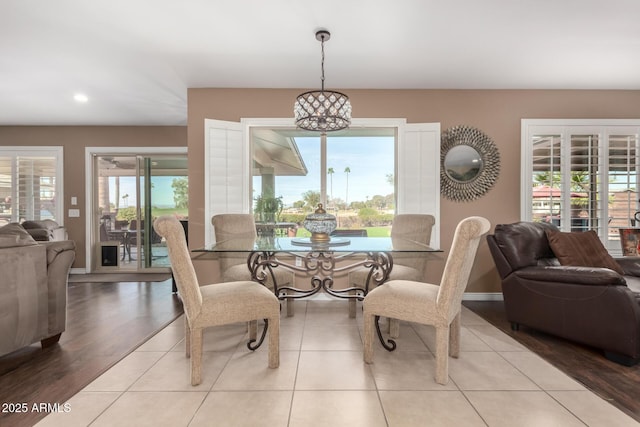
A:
(337, 244)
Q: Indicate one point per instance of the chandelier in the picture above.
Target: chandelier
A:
(322, 110)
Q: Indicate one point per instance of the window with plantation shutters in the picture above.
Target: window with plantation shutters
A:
(582, 175)
(229, 166)
(30, 184)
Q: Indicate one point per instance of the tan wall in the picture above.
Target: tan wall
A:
(496, 112)
(74, 139)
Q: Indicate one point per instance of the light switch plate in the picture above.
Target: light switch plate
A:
(74, 200)
(74, 213)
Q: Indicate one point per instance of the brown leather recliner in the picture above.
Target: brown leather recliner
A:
(593, 306)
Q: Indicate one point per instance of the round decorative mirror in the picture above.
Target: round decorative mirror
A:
(469, 163)
(462, 163)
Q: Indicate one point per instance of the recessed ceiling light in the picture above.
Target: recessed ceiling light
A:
(81, 97)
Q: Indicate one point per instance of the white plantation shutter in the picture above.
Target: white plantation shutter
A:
(546, 202)
(419, 173)
(226, 171)
(624, 170)
(587, 183)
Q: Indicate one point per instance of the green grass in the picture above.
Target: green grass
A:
(378, 231)
(156, 212)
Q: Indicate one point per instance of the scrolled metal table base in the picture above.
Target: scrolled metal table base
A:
(322, 264)
(250, 345)
(390, 345)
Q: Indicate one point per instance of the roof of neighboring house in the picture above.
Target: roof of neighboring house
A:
(545, 191)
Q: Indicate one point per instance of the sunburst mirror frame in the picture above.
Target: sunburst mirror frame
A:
(466, 191)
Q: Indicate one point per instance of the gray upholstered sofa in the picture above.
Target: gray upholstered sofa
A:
(33, 288)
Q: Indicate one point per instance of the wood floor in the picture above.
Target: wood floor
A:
(620, 385)
(105, 322)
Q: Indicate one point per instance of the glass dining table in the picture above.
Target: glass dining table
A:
(321, 261)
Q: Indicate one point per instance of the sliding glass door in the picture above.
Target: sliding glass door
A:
(130, 191)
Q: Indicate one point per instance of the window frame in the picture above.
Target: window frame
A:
(417, 186)
(324, 155)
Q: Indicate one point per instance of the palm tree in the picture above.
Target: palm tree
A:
(330, 171)
(347, 170)
(546, 178)
(311, 198)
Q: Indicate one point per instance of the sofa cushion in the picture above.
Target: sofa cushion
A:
(582, 248)
(14, 234)
(39, 234)
(41, 230)
(524, 244)
(47, 224)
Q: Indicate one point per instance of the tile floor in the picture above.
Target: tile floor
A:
(322, 381)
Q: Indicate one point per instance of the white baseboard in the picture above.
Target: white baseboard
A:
(78, 271)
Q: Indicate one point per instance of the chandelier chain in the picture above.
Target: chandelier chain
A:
(322, 62)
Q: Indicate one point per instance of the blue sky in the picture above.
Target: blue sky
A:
(369, 159)
(161, 193)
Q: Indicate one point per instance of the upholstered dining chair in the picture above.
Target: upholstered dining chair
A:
(415, 227)
(430, 304)
(233, 266)
(216, 304)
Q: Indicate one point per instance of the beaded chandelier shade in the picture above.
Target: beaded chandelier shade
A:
(322, 110)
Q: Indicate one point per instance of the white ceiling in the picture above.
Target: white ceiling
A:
(135, 59)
